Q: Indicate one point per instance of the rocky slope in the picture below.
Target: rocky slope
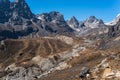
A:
(30, 59)
(99, 57)
(60, 57)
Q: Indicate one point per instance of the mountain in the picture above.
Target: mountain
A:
(54, 22)
(73, 23)
(14, 12)
(93, 22)
(17, 21)
(114, 21)
(89, 23)
(14, 19)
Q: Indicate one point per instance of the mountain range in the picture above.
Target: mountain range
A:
(48, 47)
(17, 21)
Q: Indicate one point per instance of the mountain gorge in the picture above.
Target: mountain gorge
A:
(48, 47)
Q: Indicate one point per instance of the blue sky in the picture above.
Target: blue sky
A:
(81, 9)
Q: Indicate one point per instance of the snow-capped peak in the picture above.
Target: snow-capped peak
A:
(114, 22)
(118, 15)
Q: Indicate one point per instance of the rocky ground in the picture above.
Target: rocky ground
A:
(59, 58)
(103, 64)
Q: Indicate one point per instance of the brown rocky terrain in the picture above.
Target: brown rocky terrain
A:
(103, 64)
(60, 58)
(22, 50)
(44, 52)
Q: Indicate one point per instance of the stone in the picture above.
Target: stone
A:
(84, 72)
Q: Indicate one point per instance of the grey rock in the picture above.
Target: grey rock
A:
(73, 23)
(84, 72)
(21, 73)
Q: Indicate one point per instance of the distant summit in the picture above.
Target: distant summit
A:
(91, 22)
(73, 22)
(114, 21)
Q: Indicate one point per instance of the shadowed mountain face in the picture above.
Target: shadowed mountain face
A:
(4, 11)
(14, 11)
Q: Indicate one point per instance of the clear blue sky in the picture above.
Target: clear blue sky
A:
(81, 9)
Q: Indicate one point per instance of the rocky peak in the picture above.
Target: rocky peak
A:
(93, 22)
(73, 23)
(56, 16)
(23, 10)
(14, 12)
(91, 19)
(51, 17)
(114, 21)
(54, 22)
(74, 20)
